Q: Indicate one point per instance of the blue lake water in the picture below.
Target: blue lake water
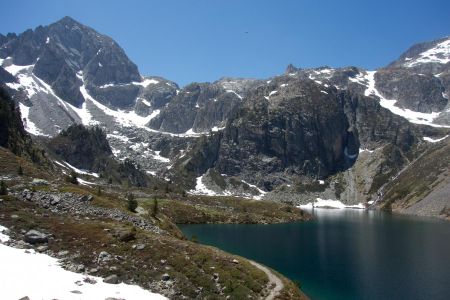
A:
(346, 254)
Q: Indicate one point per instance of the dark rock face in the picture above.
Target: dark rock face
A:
(418, 92)
(160, 93)
(132, 174)
(119, 96)
(5, 76)
(12, 132)
(374, 126)
(306, 133)
(302, 129)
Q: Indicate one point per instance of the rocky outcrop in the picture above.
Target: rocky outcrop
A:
(155, 96)
(198, 107)
(88, 149)
(12, 133)
(414, 91)
(6, 77)
(82, 147)
(73, 204)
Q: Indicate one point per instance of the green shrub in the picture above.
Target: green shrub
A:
(155, 207)
(72, 178)
(132, 204)
(20, 171)
(3, 188)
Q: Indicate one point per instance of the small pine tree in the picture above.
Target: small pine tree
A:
(73, 178)
(167, 188)
(109, 180)
(3, 188)
(183, 194)
(20, 171)
(194, 239)
(132, 204)
(99, 191)
(155, 207)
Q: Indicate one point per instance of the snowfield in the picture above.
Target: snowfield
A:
(202, 189)
(322, 203)
(29, 126)
(39, 276)
(428, 139)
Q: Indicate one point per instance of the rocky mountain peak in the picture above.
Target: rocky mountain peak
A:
(433, 52)
(67, 20)
(61, 51)
(291, 69)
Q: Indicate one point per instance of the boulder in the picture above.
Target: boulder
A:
(55, 200)
(104, 257)
(35, 237)
(139, 246)
(38, 181)
(165, 277)
(112, 279)
(86, 198)
(126, 235)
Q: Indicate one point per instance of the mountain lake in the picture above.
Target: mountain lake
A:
(346, 253)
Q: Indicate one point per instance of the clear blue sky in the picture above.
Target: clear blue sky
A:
(203, 40)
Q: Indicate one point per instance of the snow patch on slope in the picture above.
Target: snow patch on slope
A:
(439, 54)
(231, 91)
(359, 78)
(118, 137)
(39, 276)
(158, 156)
(29, 126)
(125, 118)
(26, 81)
(79, 171)
(14, 69)
(144, 83)
(201, 189)
(3, 234)
(431, 140)
(260, 191)
(322, 203)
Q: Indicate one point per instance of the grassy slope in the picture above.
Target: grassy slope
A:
(420, 178)
(202, 209)
(189, 264)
